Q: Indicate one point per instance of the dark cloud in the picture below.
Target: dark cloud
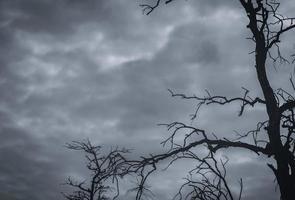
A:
(26, 165)
(75, 69)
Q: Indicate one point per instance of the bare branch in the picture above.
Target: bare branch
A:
(221, 100)
(148, 8)
(105, 171)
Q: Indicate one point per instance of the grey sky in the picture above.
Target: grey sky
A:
(100, 69)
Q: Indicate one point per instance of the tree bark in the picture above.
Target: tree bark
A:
(285, 180)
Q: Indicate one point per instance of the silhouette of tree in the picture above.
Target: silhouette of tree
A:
(105, 169)
(273, 137)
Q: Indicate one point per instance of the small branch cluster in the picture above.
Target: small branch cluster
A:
(105, 169)
(207, 181)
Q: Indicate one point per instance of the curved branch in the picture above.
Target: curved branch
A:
(148, 8)
(222, 100)
(213, 145)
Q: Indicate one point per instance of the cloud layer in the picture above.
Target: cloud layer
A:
(75, 69)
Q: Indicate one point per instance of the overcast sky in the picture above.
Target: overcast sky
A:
(100, 69)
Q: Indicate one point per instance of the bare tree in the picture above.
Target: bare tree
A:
(273, 137)
(105, 169)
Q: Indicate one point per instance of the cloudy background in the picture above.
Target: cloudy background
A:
(100, 69)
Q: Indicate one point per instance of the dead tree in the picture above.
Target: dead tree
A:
(267, 27)
(106, 169)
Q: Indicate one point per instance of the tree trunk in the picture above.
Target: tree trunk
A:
(285, 180)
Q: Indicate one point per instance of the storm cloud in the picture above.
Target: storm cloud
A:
(100, 69)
